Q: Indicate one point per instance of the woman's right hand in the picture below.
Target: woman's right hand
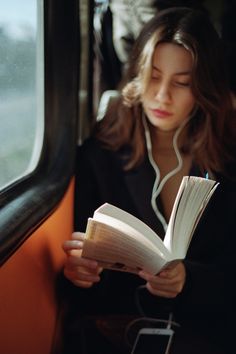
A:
(80, 271)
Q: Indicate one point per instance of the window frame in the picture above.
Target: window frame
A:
(26, 203)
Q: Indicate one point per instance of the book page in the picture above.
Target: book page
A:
(117, 250)
(168, 240)
(199, 200)
(192, 199)
(118, 240)
(119, 218)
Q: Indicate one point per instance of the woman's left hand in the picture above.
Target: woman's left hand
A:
(168, 283)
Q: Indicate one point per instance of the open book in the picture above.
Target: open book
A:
(120, 241)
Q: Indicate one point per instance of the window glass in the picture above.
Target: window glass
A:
(21, 87)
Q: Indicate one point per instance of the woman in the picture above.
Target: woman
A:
(174, 117)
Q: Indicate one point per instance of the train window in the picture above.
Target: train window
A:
(43, 98)
(21, 88)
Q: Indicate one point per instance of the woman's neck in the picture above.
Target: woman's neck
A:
(162, 141)
(164, 155)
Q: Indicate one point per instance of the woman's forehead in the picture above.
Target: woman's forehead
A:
(172, 57)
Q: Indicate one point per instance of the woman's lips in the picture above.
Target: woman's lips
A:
(159, 113)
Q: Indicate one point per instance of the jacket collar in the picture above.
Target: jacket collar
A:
(139, 182)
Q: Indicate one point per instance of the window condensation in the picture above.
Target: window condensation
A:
(21, 88)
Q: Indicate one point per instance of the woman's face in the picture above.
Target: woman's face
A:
(169, 100)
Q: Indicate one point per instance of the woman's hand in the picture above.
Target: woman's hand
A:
(80, 271)
(168, 283)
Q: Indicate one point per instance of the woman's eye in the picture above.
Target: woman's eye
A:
(182, 84)
(155, 77)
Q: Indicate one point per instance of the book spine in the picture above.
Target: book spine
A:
(90, 230)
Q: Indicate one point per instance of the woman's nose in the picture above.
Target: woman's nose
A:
(163, 93)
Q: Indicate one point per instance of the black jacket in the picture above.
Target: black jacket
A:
(208, 296)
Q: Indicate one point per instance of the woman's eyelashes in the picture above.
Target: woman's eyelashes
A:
(177, 83)
(182, 84)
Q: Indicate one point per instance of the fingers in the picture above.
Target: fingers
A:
(76, 243)
(78, 236)
(70, 245)
(164, 291)
(161, 292)
(75, 260)
(80, 271)
(82, 277)
(168, 283)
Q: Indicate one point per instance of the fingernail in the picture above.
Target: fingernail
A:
(93, 264)
(77, 244)
(141, 273)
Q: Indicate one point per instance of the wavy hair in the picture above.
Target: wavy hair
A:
(211, 132)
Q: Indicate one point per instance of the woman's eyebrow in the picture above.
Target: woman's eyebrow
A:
(185, 72)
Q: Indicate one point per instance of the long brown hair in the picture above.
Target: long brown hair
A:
(211, 133)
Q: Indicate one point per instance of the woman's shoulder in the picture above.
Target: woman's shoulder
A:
(88, 144)
(93, 151)
(228, 178)
(91, 146)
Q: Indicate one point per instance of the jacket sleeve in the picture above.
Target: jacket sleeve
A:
(86, 188)
(211, 262)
